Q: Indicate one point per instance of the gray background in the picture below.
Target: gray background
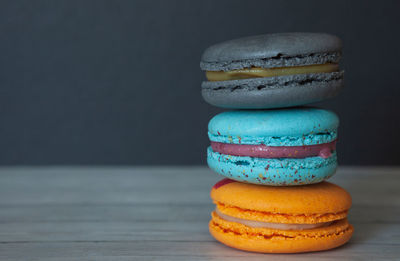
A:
(118, 82)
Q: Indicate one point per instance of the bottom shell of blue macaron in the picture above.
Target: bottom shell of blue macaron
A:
(274, 172)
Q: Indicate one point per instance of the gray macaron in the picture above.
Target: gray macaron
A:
(272, 51)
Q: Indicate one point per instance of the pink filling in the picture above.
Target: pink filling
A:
(222, 183)
(263, 151)
(281, 226)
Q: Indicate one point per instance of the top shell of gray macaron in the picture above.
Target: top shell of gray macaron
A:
(272, 50)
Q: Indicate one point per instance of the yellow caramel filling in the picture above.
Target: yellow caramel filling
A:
(257, 72)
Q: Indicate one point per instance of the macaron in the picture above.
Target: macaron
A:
(279, 147)
(270, 219)
(272, 70)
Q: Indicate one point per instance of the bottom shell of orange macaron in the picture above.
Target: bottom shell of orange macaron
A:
(310, 240)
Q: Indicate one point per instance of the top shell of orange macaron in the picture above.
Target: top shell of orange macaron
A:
(314, 203)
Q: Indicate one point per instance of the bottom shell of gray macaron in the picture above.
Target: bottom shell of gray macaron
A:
(273, 92)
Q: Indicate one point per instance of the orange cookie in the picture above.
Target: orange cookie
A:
(280, 219)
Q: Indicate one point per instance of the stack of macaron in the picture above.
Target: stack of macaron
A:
(275, 152)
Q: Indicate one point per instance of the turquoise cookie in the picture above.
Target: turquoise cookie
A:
(274, 147)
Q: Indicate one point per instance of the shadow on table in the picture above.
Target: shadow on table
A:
(371, 213)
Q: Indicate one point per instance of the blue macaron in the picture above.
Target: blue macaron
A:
(274, 147)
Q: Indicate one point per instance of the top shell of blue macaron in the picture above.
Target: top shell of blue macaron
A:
(283, 127)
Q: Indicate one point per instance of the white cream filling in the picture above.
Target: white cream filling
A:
(281, 226)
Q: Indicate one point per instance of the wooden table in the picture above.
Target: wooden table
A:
(109, 213)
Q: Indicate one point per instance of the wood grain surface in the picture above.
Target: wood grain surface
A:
(161, 213)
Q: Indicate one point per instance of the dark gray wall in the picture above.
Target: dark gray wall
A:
(118, 82)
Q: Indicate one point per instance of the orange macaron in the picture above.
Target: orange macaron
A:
(270, 219)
